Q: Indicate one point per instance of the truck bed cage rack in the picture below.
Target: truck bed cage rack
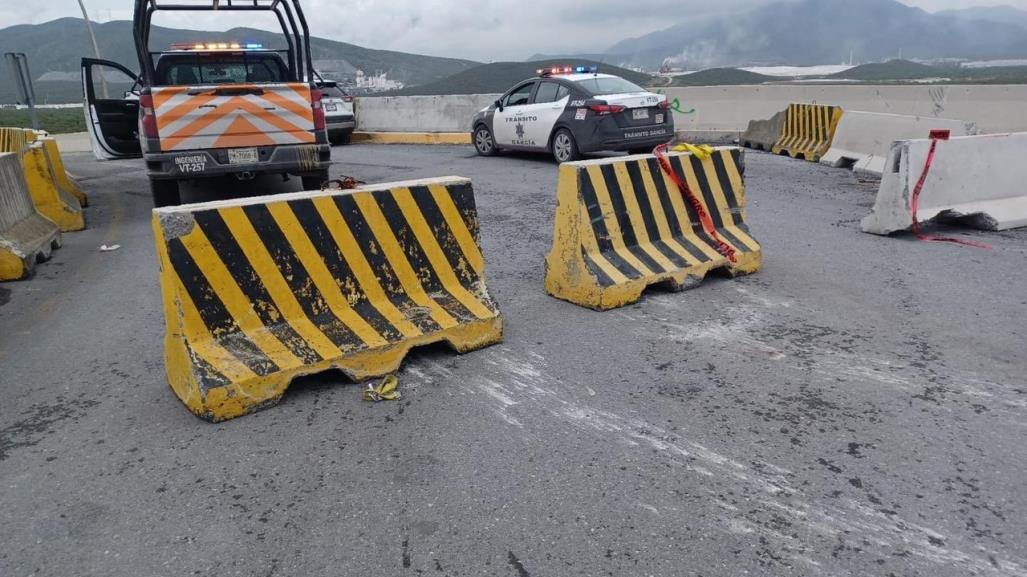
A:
(289, 13)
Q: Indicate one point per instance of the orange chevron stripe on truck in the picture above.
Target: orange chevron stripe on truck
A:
(239, 115)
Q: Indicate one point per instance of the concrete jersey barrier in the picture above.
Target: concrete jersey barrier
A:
(808, 131)
(259, 291)
(622, 225)
(451, 113)
(863, 140)
(976, 179)
(763, 134)
(26, 237)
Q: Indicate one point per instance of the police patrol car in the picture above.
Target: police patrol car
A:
(570, 111)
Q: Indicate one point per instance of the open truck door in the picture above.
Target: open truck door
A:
(111, 107)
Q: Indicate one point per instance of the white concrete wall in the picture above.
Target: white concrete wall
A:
(420, 113)
(728, 109)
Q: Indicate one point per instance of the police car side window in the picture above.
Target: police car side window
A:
(520, 96)
(547, 92)
(563, 92)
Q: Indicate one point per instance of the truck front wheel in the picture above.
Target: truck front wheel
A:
(165, 193)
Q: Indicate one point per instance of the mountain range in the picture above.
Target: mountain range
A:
(809, 32)
(55, 48)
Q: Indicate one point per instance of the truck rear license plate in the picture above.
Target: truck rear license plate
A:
(640, 113)
(242, 156)
(330, 107)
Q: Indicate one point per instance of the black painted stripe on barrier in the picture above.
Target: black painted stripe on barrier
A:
(620, 212)
(210, 377)
(711, 202)
(602, 278)
(444, 235)
(249, 282)
(649, 217)
(419, 260)
(730, 194)
(671, 213)
(698, 230)
(298, 278)
(215, 315)
(599, 230)
(342, 273)
(375, 256)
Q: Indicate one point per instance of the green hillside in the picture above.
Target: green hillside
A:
(722, 77)
(891, 70)
(59, 45)
(501, 76)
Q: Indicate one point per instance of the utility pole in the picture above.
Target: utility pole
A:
(96, 47)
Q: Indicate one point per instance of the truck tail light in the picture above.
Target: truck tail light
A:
(149, 117)
(319, 111)
(604, 109)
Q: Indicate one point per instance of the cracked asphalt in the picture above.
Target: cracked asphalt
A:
(858, 407)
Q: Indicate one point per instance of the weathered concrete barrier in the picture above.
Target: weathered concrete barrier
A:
(763, 134)
(26, 237)
(452, 113)
(864, 139)
(259, 291)
(808, 131)
(622, 225)
(976, 179)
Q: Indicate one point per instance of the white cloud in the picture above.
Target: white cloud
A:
(481, 30)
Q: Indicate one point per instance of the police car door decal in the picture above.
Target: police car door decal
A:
(509, 124)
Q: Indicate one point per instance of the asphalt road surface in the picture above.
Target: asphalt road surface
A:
(858, 407)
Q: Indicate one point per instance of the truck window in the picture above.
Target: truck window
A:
(203, 69)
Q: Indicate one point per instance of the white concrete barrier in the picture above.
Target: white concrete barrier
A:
(995, 108)
(26, 237)
(451, 113)
(713, 112)
(864, 139)
(976, 179)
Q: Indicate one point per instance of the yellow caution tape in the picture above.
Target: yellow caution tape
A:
(702, 152)
(386, 391)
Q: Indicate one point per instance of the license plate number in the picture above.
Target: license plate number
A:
(640, 113)
(331, 107)
(659, 119)
(242, 156)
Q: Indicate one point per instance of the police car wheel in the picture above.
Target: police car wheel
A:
(565, 149)
(483, 141)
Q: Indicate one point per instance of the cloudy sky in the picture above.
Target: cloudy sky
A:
(480, 30)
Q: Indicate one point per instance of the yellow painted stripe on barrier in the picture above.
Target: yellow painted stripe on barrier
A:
(434, 253)
(235, 301)
(724, 206)
(685, 222)
(635, 216)
(693, 183)
(661, 217)
(201, 341)
(321, 276)
(468, 246)
(366, 276)
(595, 174)
(397, 258)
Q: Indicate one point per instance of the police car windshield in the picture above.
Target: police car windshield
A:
(608, 85)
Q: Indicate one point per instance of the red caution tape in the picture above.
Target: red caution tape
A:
(704, 217)
(936, 135)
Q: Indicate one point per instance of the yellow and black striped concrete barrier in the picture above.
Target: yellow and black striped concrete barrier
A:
(60, 174)
(259, 291)
(623, 225)
(808, 131)
(26, 237)
(50, 198)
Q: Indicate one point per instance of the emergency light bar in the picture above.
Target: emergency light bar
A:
(557, 70)
(211, 46)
